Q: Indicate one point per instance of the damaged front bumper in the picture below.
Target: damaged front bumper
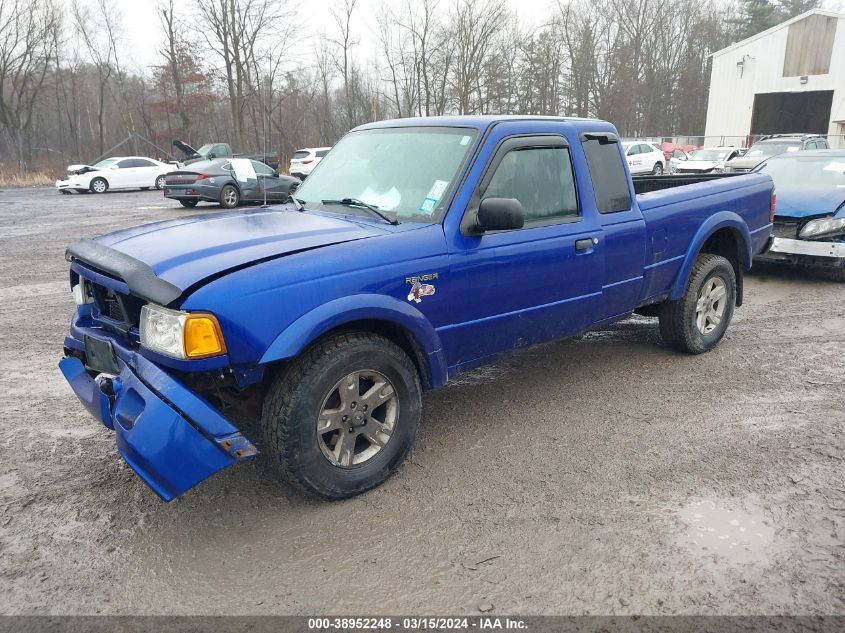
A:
(805, 252)
(170, 436)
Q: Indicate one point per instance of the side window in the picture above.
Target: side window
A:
(227, 167)
(322, 153)
(261, 168)
(610, 181)
(126, 164)
(541, 179)
(810, 145)
(822, 144)
(141, 162)
(219, 150)
(647, 149)
(634, 149)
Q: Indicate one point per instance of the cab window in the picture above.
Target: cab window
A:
(541, 178)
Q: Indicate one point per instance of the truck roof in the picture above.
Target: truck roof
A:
(471, 120)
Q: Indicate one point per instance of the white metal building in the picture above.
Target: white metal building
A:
(790, 78)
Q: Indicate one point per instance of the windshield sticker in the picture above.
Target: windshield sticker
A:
(437, 189)
(835, 166)
(418, 291)
(427, 206)
(465, 140)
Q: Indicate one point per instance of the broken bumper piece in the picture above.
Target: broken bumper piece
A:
(167, 434)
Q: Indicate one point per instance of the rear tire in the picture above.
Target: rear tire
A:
(99, 185)
(696, 322)
(160, 182)
(657, 170)
(189, 203)
(308, 397)
(230, 197)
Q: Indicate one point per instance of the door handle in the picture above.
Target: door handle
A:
(584, 245)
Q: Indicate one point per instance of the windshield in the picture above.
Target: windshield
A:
(407, 173)
(770, 149)
(205, 149)
(814, 171)
(709, 154)
(103, 164)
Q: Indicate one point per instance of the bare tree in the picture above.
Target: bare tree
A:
(27, 50)
(174, 34)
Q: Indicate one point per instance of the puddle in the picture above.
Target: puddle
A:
(737, 534)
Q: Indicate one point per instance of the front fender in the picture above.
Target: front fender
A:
(717, 221)
(328, 316)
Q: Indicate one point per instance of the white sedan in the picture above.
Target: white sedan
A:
(130, 172)
(644, 158)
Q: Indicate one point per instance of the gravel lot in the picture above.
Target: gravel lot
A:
(607, 475)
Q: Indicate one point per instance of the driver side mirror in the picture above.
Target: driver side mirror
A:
(500, 214)
(212, 156)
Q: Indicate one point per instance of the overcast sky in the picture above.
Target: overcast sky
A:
(144, 33)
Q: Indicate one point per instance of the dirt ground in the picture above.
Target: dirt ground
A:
(607, 475)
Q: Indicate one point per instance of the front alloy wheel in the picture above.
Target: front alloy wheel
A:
(357, 418)
(341, 418)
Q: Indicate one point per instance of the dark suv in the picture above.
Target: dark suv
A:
(772, 145)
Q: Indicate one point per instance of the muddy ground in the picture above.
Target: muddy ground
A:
(609, 475)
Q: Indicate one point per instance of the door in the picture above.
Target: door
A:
(122, 174)
(635, 159)
(269, 182)
(144, 174)
(532, 284)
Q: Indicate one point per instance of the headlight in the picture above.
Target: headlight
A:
(823, 226)
(181, 334)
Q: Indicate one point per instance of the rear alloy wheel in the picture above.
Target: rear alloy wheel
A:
(161, 181)
(696, 322)
(229, 197)
(99, 185)
(658, 170)
(189, 203)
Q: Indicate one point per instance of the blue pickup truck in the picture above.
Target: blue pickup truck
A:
(417, 249)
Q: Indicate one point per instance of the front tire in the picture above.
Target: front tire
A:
(833, 274)
(696, 322)
(230, 197)
(342, 418)
(657, 170)
(99, 185)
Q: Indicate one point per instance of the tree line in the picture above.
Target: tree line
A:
(232, 70)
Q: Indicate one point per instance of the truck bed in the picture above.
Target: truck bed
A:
(648, 184)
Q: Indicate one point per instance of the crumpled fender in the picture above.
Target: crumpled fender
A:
(358, 307)
(719, 220)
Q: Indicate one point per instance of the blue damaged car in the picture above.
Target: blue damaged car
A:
(809, 226)
(417, 249)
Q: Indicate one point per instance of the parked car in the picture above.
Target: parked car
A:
(303, 161)
(809, 228)
(644, 158)
(129, 172)
(229, 182)
(772, 146)
(210, 151)
(703, 161)
(419, 249)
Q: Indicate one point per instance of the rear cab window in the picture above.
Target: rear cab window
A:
(607, 173)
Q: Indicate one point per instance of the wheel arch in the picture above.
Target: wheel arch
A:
(725, 233)
(397, 321)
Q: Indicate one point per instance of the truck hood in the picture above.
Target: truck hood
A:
(186, 149)
(186, 251)
(744, 162)
(698, 165)
(808, 202)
